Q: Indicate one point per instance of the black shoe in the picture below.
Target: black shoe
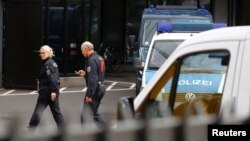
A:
(31, 128)
(99, 119)
(26, 130)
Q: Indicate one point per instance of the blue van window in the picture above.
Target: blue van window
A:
(161, 51)
(149, 31)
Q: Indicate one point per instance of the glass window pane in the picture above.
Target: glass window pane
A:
(161, 51)
(201, 80)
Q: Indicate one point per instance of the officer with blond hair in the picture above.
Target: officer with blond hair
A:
(48, 89)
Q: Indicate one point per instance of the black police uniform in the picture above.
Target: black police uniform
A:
(48, 82)
(95, 71)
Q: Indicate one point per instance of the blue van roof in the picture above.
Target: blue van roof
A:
(177, 13)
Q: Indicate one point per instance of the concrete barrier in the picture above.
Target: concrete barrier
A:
(72, 82)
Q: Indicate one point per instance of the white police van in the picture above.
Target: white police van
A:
(168, 37)
(213, 66)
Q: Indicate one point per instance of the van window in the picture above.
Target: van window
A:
(200, 79)
(161, 51)
(149, 31)
(149, 25)
(149, 28)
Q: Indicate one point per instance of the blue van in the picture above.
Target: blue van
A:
(168, 37)
(153, 15)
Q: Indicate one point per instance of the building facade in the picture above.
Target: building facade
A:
(25, 25)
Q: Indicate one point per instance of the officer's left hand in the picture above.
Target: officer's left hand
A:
(53, 96)
(88, 100)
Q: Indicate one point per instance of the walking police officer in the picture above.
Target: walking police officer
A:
(48, 89)
(94, 76)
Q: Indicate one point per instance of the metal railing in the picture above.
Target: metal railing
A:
(165, 127)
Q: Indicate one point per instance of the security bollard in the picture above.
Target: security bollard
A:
(125, 108)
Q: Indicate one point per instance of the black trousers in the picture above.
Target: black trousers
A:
(41, 106)
(92, 108)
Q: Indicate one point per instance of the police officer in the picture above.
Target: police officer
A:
(48, 89)
(94, 76)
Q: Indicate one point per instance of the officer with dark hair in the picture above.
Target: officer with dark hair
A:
(94, 75)
(48, 89)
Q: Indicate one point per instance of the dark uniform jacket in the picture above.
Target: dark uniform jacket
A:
(49, 78)
(94, 73)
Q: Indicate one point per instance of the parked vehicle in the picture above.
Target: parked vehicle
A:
(167, 38)
(211, 68)
(149, 19)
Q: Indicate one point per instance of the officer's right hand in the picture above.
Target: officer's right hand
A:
(53, 96)
(80, 73)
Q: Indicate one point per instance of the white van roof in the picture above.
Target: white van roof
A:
(221, 34)
(172, 36)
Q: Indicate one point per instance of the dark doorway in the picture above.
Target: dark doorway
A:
(67, 23)
(62, 31)
(21, 39)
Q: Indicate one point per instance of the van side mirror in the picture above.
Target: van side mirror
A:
(132, 42)
(125, 108)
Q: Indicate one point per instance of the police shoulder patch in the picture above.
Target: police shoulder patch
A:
(48, 72)
(88, 69)
(55, 65)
